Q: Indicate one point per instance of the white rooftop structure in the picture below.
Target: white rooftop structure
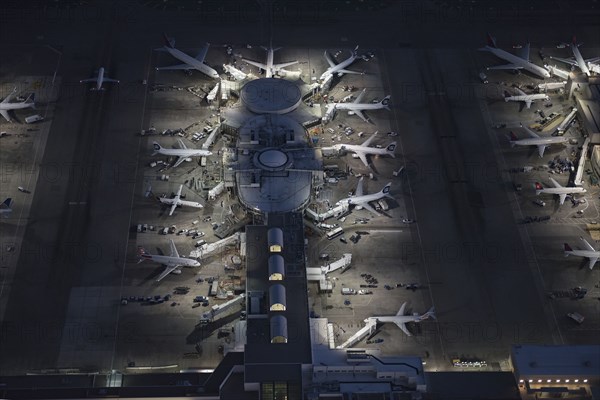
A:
(556, 362)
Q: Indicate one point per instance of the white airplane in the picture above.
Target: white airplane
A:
(360, 200)
(196, 63)
(577, 59)
(524, 97)
(99, 79)
(363, 150)
(356, 107)
(536, 140)
(400, 319)
(270, 68)
(176, 201)
(561, 191)
(5, 207)
(590, 253)
(339, 69)
(182, 154)
(171, 262)
(6, 105)
(516, 62)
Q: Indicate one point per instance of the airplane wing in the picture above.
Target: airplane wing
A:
(401, 311)
(506, 66)
(402, 326)
(541, 149)
(524, 52)
(329, 59)
(522, 93)
(178, 66)
(359, 188)
(200, 57)
(173, 207)
(347, 71)
(588, 245)
(368, 141)
(566, 60)
(190, 203)
(592, 60)
(368, 207)
(593, 261)
(528, 103)
(255, 63)
(179, 161)
(4, 113)
(530, 132)
(283, 65)
(360, 115)
(111, 80)
(360, 96)
(8, 98)
(362, 157)
(167, 271)
(556, 184)
(174, 252)
(562, 198)
(88, 80)
(179, 191)
(181, 144)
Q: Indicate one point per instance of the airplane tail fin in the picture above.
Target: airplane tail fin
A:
(538, 188)
(385, 102)
(169, 42)
(157, 147)
(386, 189)
(567, 248)
(30, 99)
(355, 51)
(513, 139)
(141, 253)
(390, 149)
(428, 314)
(6, 204)
(491, 41)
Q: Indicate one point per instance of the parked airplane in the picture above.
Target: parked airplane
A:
(561, 191)
(526, 98)
(589, 253)
(339, 69)
(196, 63)
(5, 207)
(355, 108)
(171, 262)
(182, 153)
(536, 140)
(577, 59)
(99, 79)
(270, 68)
(6, 105)
(516, 62)
(400, 319)
(363, 150)
(176, 201)
(360, 200)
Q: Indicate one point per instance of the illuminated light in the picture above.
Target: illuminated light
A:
(558, 381)
(549, 380)
(567, 380)
(539, 381)
(521, 380)
(585, 381)
(576, 380)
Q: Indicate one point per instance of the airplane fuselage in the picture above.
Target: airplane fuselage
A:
(15, 106)
(100, 78)
(539, 141)
(192, 62)
(364, 149)
(527, 98)
(580, 61)
(358, 200)
(340, 66)
(584, 253)
(184, 152)
(518, 61)
(358, 106)
(171, 261)
(561, 190)
(269, 70)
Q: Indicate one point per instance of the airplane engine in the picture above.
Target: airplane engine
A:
(176, 272)
(351, 112)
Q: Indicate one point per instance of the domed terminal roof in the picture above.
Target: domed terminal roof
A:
(273, 158)
(271, 96)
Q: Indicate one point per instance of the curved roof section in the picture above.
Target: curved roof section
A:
(271, 96)
(276, 268)
(279, 331)
(275, 238)
(277, 300)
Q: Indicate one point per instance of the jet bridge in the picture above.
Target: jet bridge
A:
(369, 328)
(335, 211)
(206, 250)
